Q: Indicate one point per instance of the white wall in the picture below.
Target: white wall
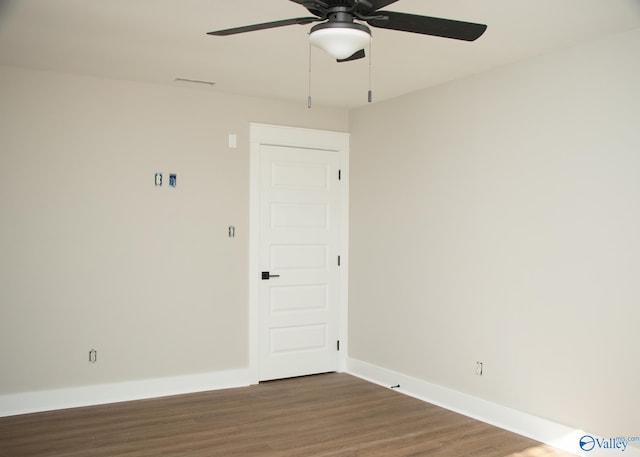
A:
(497, 219)
(93, 256)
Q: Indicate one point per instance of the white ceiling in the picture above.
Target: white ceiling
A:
(158, 41)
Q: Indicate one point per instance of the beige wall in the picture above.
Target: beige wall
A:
(93, 256)
(497, 219)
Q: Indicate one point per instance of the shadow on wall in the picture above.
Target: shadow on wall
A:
(5, 7)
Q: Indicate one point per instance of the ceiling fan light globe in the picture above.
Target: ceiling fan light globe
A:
(340, 42)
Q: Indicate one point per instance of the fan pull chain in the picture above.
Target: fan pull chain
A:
(370, 94)
(309, 96)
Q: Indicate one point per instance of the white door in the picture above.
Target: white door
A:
(299, 209)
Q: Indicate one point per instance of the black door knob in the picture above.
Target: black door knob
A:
(266, 275)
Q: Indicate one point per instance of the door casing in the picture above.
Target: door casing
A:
(301, 138)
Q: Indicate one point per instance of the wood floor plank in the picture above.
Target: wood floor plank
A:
(332, 415)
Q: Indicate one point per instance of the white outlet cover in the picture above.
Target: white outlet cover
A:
(233, 141)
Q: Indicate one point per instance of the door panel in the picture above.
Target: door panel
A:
(296, 339)
(298, 257)
(299, 216)
(299, 175)
(299, 298)
(299, 237)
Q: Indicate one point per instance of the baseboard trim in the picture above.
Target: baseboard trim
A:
(74, 397)
(542, 430)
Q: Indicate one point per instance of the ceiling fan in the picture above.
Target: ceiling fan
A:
(343, 38)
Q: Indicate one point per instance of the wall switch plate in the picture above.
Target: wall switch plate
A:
(233, 141)
(158, 179)
(479, 368)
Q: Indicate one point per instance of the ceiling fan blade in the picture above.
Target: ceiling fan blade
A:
(447, 28)
(265, 25)
(355, 56)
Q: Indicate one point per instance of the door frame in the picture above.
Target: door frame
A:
(301, 138)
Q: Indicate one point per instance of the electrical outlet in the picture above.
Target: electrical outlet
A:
(479, 368)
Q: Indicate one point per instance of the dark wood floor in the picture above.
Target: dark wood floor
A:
(325, 415)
